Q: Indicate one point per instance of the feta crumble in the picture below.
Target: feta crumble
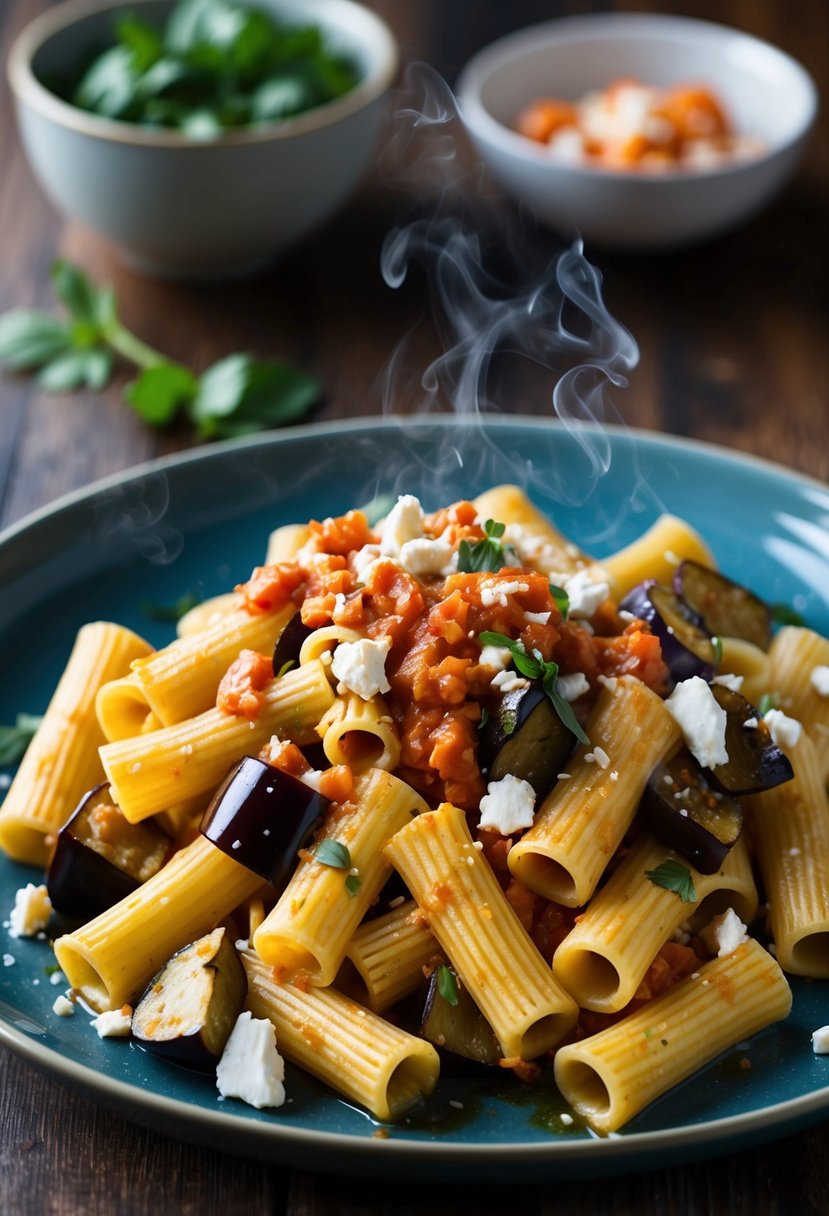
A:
(725, 933)
(820, 1041)
(360, 666)
(585, 593)
(362, 561)
(496, 657)
(423, 556)
(31, 911)
(785, 731)
(403, 523)
(497, 593)
(819, 680)
(508, 805)
(573, 686)
(728, 680)
(508, 681)
(63, 1007)
(114, 1024)
(251, 1068)
(701, 720)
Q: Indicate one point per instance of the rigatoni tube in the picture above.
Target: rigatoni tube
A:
(581, 822)
(480, 932)
(611, 1076)
(357, 1053)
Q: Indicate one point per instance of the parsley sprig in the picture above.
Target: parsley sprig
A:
(674, 876)
(235, 396)
(534, 667)
(489, 553)
(336, 854)
(15, 739)
(447, 984)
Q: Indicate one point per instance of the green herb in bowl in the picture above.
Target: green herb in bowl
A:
(215, 65)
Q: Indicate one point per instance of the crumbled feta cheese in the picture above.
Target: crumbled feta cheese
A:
(735, 683)
(785, 731)
(508, 681)
(508, 805)
(609, 682)
(63, 1007)
(362, 561)
(360, 666)
(423, 556)
(573, 686)
(339, 601)
(750, 724)
(585, 593)
(819, 679)
(404, 522)
(114, 1024)
(820, 1041)
(496, 593)
(31, 911)
(57, 977)
(251, 1068)
(725, 933)
(9, 960)
(566, 1119)
(537, 618)
(496, 657)
(701, 720)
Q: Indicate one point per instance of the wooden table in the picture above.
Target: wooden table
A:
(733, 350)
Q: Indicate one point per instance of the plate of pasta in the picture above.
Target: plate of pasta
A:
(406, 791)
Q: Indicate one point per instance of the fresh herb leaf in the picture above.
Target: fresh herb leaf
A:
(535, 668)
(333, 853)
(286, 666)
(484, 718)
(767, 701)
(783, 614)
(488, 553)
(174, 611)
(352, 884)
(674, 876)
(377, 508)
(561, 599)
(15, 739)
(236, 396)
(447, 984)
(716, 642)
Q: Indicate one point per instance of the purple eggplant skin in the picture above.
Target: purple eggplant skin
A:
(728, 609)
(289, 643)
(755, 762)
(689, 816)
(524, 736)
(687, 647)
(189, 1008)
(81, 881)
(261, 817)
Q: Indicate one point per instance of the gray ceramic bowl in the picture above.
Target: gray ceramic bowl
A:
(215, 208)
(770, 97)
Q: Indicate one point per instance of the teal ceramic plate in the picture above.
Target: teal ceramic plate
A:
(200, 522)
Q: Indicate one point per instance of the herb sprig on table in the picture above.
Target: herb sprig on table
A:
(236, 396)
(215, 65)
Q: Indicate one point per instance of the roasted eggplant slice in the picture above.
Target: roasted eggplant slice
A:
(524, 736)
(755, 762)
(289, 643)
(189, 1009)
(261, 817)
(689, 816)
(100, 858)
(728, 610)
(459, 1028)
(687, 647)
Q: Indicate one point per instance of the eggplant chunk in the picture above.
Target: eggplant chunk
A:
(755, 762)
(728, 609)
(525, 737)
(690, 817)
(100, 858)
(188, 1010)
(460, 1029)
(261, 817)
(289, 643)
(687, 647)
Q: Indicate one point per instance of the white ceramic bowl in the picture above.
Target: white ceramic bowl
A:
(216, 208)
(767, 94)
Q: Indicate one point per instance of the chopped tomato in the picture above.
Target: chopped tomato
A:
(240, 689)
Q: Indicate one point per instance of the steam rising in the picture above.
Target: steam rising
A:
(552, 314)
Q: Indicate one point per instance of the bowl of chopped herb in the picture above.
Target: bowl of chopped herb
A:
(202, 138)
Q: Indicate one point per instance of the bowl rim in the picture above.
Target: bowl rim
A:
(28, 89)
(592, 27)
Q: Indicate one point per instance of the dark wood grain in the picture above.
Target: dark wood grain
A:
(734, 350)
